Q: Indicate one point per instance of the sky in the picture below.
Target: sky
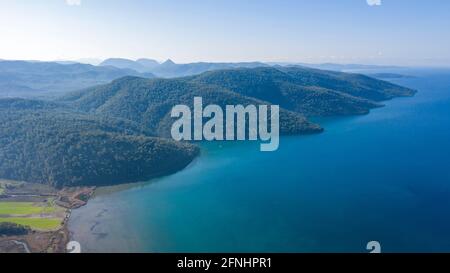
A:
(398, 32)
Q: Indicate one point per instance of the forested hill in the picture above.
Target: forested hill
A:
(308, 91)
(170, 69)
(299, 91)
(53, 145)
(149, 102)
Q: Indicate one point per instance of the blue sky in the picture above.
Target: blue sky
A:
(403, 32)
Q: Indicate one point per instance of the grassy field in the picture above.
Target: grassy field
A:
(35, 223)
(27, 214)
(27, 208)
(42, 215)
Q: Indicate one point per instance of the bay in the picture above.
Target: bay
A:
(383, 176)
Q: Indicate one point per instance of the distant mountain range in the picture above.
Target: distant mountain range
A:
(28, 79)
(170, 69)
(141, 65)
(35, 79)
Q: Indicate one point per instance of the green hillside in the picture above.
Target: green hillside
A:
(64, 148)
(149, 102)
(120, 132)
(308, 91)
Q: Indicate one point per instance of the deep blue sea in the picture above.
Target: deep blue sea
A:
(383, 176)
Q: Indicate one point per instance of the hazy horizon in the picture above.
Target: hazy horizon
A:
(96, 62)
(401, 32)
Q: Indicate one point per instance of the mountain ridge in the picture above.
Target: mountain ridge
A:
(34, 79)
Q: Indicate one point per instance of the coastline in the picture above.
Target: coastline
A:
(76, 197)
(72, 201)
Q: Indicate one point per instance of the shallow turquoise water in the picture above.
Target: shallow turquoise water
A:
(384, 176)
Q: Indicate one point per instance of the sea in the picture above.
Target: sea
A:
(381, 177)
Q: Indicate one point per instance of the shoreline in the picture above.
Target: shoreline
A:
(73, 201)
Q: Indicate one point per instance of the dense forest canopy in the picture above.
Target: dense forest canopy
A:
(149, 102)
(64, 148)
(120, 132)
